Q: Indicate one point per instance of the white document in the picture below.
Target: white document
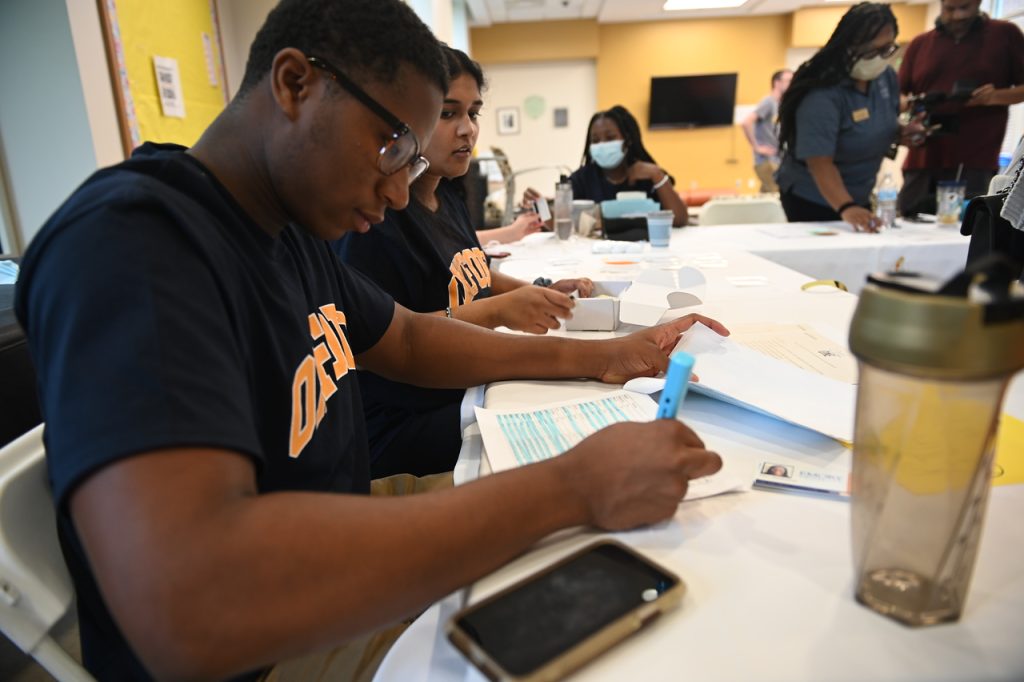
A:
(801, 346)
(736, 374)
(513, 438)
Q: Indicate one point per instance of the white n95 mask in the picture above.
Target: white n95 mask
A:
(607, 154)
(869, 69)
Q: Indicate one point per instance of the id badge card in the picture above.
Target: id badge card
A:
(861, 115)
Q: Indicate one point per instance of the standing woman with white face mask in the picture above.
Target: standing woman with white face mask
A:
(839, 119)
(615, 160)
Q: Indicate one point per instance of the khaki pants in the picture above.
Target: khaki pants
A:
(766, 174)
(358, 660)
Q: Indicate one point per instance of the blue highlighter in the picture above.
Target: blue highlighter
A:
(677, 380)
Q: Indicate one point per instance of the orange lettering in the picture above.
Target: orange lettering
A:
(327, 386)
(344, 360)
(303, 403)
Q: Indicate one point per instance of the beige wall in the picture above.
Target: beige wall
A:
(813, 25)
(239, 22)
(569, 84)
(87, 36)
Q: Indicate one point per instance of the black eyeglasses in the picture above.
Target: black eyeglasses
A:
(403, 149)
(883, 52)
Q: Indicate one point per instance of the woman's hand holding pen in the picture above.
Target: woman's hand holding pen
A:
(861, 219)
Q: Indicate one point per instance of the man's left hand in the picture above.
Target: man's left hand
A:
(645, 353)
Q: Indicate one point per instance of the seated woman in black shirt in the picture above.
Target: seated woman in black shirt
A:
(615, 160)
(429, 259)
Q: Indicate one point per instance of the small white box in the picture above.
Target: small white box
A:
(600, 312)
(639, 302)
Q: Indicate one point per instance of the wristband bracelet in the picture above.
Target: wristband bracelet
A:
(848, 204)
(448, 312)
(544, 281)
(660, 183)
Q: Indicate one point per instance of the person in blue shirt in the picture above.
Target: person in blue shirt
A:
(429, 259)
(615, 160)
(197, 344)
(839, 119)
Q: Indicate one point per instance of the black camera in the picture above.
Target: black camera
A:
(942, 109)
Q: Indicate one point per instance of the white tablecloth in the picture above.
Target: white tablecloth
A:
(818, 250)
(847, 256)
(769, 575)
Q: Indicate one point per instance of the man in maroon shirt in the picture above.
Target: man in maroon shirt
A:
(966, 50)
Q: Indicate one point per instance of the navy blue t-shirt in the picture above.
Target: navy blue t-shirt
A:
(589, 182)
(159, 315)
(427, 261)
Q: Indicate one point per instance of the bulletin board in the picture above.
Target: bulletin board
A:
(187, 31)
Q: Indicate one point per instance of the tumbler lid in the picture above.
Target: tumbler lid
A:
(969, 328)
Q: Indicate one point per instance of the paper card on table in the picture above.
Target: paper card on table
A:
(731, 371)
(803, 478)
(801, 346)
(514, 438)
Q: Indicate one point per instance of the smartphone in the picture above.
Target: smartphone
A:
(553, 622)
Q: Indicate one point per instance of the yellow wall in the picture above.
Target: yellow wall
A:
(171, 29)
(535, 42)
(812, 26)
(632, 53)
(628, 55)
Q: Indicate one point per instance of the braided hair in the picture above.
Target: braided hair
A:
(831, 64)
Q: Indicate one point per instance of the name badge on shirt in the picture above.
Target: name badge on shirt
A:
(861, 115)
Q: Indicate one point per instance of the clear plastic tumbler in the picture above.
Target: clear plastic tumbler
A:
(934, 365)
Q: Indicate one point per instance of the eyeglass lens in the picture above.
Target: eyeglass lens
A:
(398, 152)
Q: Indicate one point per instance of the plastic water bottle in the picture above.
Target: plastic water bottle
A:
(563, 208)
(886, 209)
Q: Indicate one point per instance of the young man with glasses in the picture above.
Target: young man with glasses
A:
(980, 62)
(196, 342)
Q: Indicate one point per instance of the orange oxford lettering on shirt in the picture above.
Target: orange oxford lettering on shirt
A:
(312, 385)
(471, 273)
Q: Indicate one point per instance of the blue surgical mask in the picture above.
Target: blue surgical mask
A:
(608, 154)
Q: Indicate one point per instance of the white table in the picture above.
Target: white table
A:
(830, 250)
(769, 575)
(846, 255)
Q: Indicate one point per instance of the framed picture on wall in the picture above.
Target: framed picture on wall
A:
(508, 120)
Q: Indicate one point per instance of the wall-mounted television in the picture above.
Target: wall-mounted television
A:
(692, 101)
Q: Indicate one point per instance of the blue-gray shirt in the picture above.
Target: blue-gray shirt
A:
(765, 129)
(854, 128)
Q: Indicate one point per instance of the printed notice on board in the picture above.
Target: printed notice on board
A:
(168, 83)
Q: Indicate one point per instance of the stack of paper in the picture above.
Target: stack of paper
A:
(515, 438)
(809, 395)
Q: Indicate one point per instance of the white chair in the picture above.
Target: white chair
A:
(742, 211)
(35, 588)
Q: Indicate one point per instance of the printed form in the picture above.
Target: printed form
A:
(514, 438)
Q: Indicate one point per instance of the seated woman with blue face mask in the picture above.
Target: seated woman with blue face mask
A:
(615, 160)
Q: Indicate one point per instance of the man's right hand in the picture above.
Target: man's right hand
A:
(634, 474)
(533, 309)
